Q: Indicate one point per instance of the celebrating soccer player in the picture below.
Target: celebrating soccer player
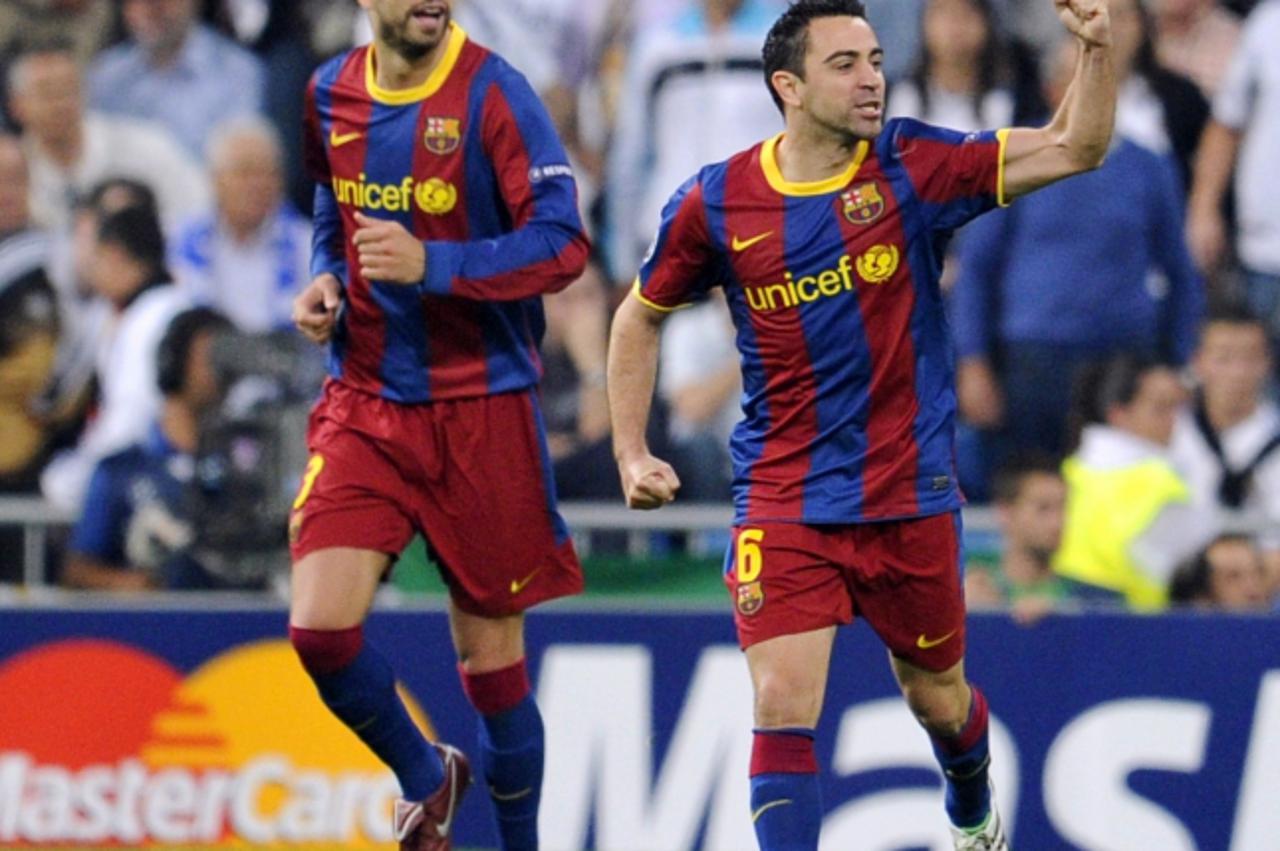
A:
(828, 240)
(445, 206)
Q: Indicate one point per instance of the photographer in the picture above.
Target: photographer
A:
(136, 531)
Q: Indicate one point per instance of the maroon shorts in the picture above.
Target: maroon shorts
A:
(902, 576)
(472, 475)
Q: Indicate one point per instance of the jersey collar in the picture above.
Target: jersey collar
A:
(399, 97)
(772, 173)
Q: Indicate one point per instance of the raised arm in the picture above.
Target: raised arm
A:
(1077, 138)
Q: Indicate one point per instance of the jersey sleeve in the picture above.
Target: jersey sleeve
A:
(547, 247)
(955, 176)
(681, 265)
(328, 248)
(315, 158)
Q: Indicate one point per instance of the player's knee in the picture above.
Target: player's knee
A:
(940, 707)
(326, 651)
(782, 700)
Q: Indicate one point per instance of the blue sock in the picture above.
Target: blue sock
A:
(786, 803)
(363, 696)
(511, 753)
(964, 759)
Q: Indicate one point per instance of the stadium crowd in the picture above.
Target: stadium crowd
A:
(1116, 335)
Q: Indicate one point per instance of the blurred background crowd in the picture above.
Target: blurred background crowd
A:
(1115, 334)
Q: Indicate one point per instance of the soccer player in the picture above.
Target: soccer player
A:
(445, 206)
(827, 241)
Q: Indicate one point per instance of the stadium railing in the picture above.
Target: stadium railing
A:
(38, 519)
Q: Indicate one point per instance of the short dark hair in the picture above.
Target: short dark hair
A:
(788, 39)
(135, 230)
(174, 350)
(137, 194)
(1007, 481)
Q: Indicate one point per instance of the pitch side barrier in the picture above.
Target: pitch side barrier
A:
(171, 725)
(38, 519)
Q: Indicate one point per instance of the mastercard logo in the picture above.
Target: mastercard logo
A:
(104, 744)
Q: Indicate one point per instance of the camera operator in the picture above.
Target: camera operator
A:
(136, 531)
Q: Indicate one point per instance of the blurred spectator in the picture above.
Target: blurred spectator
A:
(128, 270)
(278, 33)
(70, 150)
(701, 381)
(1156, 107)
(29, 328)
(86, 24)
(1227, 444)
(1227, 576)
(251, 254)
(176, 71)
(961, 80)
(897, 25)
(574, 403)
(136, 530)
(1030, 499)
(693, 94)
(1061, 280)
(1195, 38)
(1246, 121)
(1130, 516)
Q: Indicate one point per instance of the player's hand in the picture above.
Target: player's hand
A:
(1087, 20)
(315, 310)
(648, 482)
(388, 252)
(1206, 236)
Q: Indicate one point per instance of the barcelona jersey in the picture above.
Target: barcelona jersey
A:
(848, 372)
(469, 163)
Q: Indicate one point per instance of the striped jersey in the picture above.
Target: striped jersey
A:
(469, 163)
(848, 372)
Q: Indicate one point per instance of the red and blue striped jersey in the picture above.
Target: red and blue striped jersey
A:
(468, 162)
(848, 371)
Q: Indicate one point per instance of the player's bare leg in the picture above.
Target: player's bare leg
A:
(491, 664)
(954, 713)
(789, 678)
(332, 590)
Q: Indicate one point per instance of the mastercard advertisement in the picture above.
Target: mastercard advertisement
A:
(104, 744)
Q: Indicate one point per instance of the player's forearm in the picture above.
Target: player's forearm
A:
(1089, 111)
(539, 258)
(632, 372)
(1215, 161)
(327, 244)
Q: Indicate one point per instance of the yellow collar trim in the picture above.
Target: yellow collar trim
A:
(399, 97)
(769, 162)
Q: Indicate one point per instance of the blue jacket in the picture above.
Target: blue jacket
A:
(1071, 264)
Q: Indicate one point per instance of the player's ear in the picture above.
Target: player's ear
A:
(788, 85)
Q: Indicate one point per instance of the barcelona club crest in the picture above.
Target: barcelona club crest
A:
(443, 135)
(863, 204)
(750, 598)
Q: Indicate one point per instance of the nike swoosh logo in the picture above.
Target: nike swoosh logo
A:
(926, 643)
(518, 585)
(337, 140)
(744, 244)
(514, 796)
(443, 827)
(764, 809)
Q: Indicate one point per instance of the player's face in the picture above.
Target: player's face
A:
(13, 185)
(843, 86)
(1035, 517)
(1232, 362)
(1152, 412)
(412, 28)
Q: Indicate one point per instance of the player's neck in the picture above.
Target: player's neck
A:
(393, 71)
(808, 155)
